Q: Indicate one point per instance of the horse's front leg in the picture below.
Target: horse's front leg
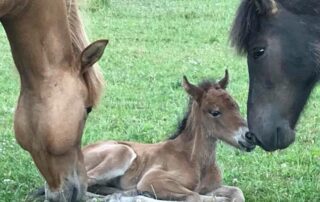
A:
(228, 193)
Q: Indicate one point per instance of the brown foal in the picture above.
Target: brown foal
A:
(181, 168)
(58, 83)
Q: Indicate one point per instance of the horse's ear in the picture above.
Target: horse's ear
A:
(92, 53)
(223, 83)
(194, 91)
(266, 7)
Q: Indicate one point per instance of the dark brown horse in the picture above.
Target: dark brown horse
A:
(281, 39)
(58, 84)
(181, 168)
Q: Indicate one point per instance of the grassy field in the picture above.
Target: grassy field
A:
(152, 45)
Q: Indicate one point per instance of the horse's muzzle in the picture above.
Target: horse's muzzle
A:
(278, 138)
(73, 190)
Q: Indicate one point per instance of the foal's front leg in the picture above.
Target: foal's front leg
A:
(228, 193)
(164, 185)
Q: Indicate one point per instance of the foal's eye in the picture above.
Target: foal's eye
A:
(215, 113)
(258, 52)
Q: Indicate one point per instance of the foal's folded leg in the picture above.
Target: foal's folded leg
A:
(107, 161)
(132, 199)
(228, 193)
(163, 185)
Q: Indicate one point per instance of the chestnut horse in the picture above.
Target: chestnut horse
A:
(58, 84)
(182, 167)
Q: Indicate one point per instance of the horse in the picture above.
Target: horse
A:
(59, 85)
(182, 167)
(280, 39)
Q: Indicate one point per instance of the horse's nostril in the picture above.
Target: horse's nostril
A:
(251, 138)
(249, 135)
(74, 194)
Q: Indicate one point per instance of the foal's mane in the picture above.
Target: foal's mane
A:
(248, 18)
(93, 77)
(204, 85)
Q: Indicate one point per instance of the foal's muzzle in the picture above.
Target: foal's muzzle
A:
(248, 143)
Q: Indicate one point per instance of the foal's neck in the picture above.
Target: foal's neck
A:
(197, 140)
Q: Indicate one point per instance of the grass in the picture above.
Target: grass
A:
(152, 44)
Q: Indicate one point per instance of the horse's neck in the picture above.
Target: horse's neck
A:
(40, 40)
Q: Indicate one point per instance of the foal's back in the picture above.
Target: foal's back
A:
(129, 161)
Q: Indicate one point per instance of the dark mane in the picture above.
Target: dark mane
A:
(248, 17)
(204, 85)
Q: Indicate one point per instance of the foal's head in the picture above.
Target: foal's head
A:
(217, 113)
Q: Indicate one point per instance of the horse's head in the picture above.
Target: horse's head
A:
(59, 85)
(59, 107)
(80, 92)
(281, 41)
(218, 113)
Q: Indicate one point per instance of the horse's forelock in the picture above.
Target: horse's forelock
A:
(249, 12)
(93, 76)
(245, 21)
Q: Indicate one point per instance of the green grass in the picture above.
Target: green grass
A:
(152, 45)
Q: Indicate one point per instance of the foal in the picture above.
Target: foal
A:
(182, 167)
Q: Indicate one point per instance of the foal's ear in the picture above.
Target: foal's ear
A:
(92, 53)
(194, 91)
(223, 83)
(266, 7)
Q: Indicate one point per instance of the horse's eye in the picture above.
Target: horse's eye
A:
(215, 113)
(258, 52)
(89, 109)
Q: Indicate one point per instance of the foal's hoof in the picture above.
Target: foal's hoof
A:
(214, 199)
(116, 197)
(147, 194)
(91, 197)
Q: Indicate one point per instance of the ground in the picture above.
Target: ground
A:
(152, 45)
